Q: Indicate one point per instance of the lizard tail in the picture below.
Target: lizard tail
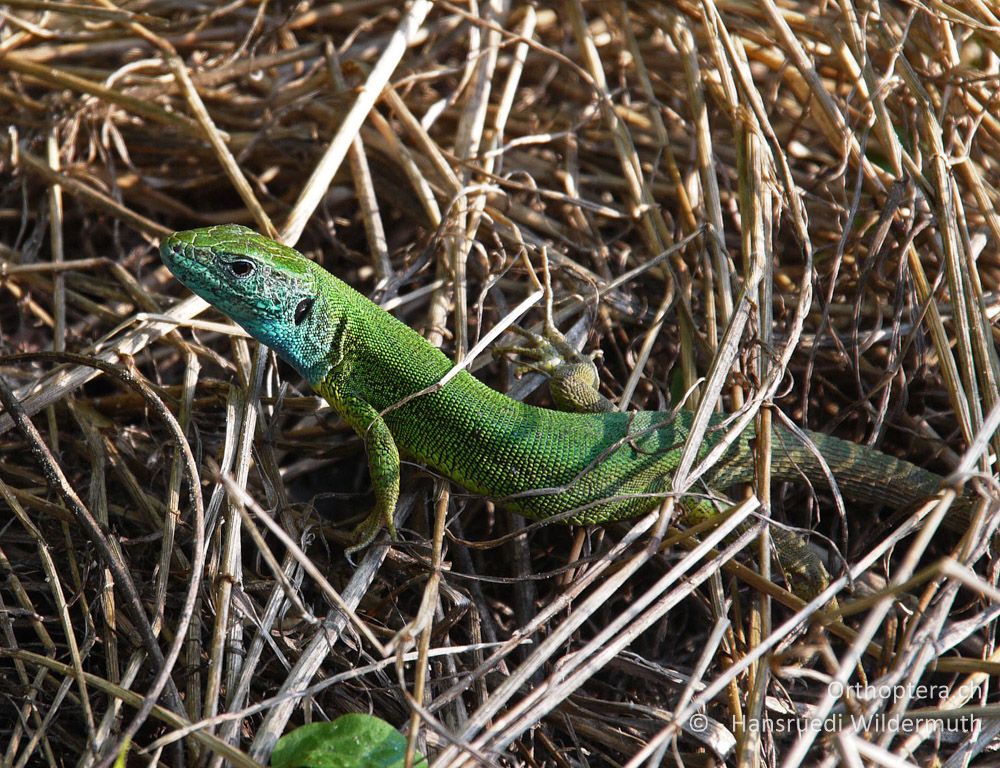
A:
(862, 474)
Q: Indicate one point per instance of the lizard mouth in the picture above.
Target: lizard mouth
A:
(197, 269)
(180, 257)
(199, 247)
(234, 283)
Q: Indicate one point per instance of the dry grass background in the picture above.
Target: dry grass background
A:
(779, 200)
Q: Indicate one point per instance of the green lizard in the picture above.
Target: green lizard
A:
(584, 468)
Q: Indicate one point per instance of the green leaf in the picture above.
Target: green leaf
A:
(350, 741)
(120, 761)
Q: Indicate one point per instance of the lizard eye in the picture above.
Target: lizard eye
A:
(241, 268)
(302, 310)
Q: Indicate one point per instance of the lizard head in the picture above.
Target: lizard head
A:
(272, 291)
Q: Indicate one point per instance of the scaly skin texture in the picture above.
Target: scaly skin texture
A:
(584, 468)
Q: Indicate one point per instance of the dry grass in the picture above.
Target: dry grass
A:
(838, 167)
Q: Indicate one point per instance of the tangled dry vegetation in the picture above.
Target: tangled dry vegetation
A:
(778, 201)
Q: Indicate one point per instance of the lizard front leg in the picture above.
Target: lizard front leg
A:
(383, 459)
